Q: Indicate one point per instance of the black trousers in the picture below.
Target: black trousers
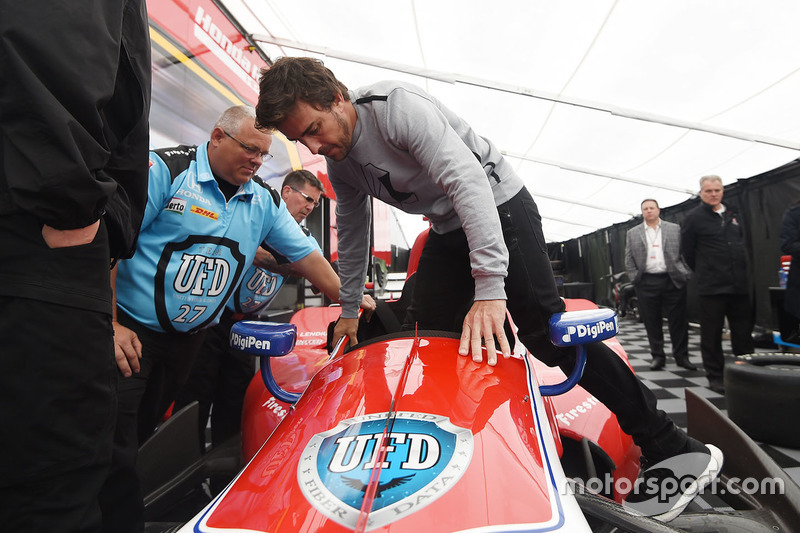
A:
(713, 310)
(444, 293)
(658, 296)
(144, 397)
(57, 406)
(219, 377)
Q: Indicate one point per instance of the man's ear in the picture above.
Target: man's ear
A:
(339, 100)
(285, 191)
(217, 134)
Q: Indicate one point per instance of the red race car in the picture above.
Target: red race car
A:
(401, 434)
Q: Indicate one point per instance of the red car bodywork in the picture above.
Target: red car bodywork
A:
(508, 473)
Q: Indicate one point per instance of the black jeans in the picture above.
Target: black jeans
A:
(219, 377)
(658, 296)
(713, 310)
(144, 397)
(444, 292)
(57, 405)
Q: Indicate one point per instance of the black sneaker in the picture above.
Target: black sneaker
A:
(665, 488)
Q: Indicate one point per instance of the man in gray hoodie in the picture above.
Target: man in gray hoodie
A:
(395, 142)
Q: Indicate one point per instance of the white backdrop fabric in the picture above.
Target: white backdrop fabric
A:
(597, 103)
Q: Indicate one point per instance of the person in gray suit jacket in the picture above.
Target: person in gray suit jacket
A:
(659, 275)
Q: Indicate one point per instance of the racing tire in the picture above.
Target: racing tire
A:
(762, 392)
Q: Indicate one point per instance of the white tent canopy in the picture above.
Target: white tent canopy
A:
(597, 103)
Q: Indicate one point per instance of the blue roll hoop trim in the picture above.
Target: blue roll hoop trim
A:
(270, 339)
(266, 339)
(272, 385)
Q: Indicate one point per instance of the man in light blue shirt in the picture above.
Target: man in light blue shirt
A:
(220, 375)
(207, 214)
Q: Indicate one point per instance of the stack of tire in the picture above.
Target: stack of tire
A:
(762, 391)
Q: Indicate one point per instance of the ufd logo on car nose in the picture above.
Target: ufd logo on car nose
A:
(425, 455)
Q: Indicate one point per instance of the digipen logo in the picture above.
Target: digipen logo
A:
(582, 331)
(245, 342)
(425, 455)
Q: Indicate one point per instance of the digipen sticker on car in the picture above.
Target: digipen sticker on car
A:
(425, 456)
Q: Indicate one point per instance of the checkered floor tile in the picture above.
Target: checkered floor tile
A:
(669, 383)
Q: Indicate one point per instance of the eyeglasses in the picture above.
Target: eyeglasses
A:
(307, 197)
(252, 151)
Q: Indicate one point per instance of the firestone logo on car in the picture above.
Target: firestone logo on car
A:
(425, 456)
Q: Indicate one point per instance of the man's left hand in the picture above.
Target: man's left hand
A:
(369, 305)
(484, 321)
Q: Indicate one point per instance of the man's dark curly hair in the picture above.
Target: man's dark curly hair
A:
(291, 79)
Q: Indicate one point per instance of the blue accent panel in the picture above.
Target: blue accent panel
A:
(268, 339)
(582, 327)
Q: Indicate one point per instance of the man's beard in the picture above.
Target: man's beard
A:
(345, 139)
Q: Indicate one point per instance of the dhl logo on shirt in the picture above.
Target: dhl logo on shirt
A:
(204, 212)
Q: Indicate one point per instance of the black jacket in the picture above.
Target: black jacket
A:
(790, 245)
(713, 246)
(74, 107)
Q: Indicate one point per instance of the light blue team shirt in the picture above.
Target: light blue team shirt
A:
(194, 247)
(258, 288)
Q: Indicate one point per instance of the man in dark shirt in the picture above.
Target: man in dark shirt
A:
(74, 107)
(712, 243)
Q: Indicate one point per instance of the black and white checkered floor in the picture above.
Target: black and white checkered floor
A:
(669, 383)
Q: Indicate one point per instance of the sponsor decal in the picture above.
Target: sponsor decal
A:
(261, 283)
(233, 56)
(192, 182)
(581, 408)
(176, 151)
(248, 341)
(194, 196)
(194, 279)
(276, 406)
(197, 210)
(176, 205)
(425, 456)
(199, 275)
(581, 331)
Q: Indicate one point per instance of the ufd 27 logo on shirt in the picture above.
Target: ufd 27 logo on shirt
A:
(194, 279)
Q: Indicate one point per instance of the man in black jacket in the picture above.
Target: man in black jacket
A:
(712, 243)
(74, 106)
(790, 245)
